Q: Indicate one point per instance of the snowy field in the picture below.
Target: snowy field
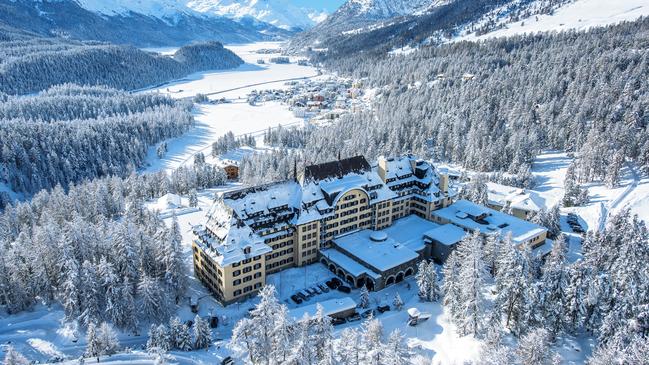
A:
(580, 15)
(213, 121)
(248, 75)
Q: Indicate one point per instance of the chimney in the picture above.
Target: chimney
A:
(382, 167)
(443, 182)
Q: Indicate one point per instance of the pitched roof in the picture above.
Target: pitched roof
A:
(336, 168)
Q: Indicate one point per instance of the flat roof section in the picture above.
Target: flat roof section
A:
(448, 234)
(382, 255)
(329, 307)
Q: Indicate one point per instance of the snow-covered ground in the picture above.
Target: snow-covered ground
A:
(248, 74)
(580, 15)
(633, 190)
(213, 121)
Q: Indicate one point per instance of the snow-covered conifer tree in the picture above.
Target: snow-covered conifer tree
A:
(422, 278)
(202, 333)
(94, 347)
(322, 334)
(373, 341)
(554, 283)
(153, 303)
(107, 338)
(472, 275)
(364, 299)
(350, 347)
(397, 351)
(534, 348)
(13, 357)
(397, 302)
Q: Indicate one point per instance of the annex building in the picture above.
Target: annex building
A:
(370, 225)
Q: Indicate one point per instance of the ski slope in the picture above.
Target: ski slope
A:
(579, 15)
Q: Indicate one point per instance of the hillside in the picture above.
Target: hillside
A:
(29, 63)
(371, 26)
(147, 25)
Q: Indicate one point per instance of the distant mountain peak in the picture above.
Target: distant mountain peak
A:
(280, 13)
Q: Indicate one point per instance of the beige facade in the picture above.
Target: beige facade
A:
(263, 230)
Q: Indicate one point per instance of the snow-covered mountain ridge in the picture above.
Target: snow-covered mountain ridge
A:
(280, 13)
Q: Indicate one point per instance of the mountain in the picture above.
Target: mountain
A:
(29, 63)
(142, 23)
(384, 26)
(280, 13)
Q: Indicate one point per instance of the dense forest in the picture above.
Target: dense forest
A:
(70, 133)
(493, 105)
(342, 34)
(29, 63)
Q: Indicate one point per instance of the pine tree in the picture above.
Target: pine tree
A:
(153, 304)
(91, 295)
(534, 348)
(283, 335)
(397, 303)
(364, 299)
(372, 340)
(322, 334)
(193, 198)
(451, 286)
(350, 347)
(71, 292)
(397, 352)
(244, 337)
(554, 282)
(422, 278)
(202, 333)
(472, 274)
(107, 338)
(94, 347)
(13, 357)
(434, 291)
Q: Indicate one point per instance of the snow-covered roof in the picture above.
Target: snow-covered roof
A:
(329, 308)
(348, 264)
(447, 234)
(410, 176)
(471, 216)
(517, 198)
(380, 255)
(239, 219)
(410, 231)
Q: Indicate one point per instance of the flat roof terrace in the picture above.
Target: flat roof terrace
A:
(376, 249)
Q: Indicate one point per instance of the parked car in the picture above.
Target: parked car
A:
(369, 312)
(311, 291)
(336, 281)
(302, 296)
(344, 289)
(337, 321)
(227, 361)
(296, 299)
(383, 308)
(317, 289)
(354, 317)
(324, 288)
(306, 293)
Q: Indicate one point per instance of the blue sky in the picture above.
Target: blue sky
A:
(329, 5)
